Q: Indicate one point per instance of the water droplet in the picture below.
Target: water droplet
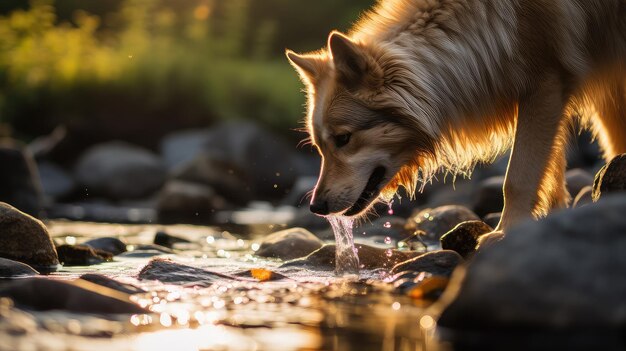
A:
(387, 225)
(240, 242)
(210, 239)
(166, 320)
(387, 240)
(390, 212)
(70, 240)
(388, 252)
(396, 306)
(255, 246)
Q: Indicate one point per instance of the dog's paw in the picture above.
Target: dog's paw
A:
(489, 239)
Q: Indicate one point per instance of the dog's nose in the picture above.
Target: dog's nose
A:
(320, 208)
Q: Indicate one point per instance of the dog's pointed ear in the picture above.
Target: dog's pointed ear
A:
(305, 64)
(352, 63)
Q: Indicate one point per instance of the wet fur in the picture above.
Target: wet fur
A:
(444, 84)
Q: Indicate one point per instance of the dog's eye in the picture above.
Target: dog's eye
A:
(342, 139)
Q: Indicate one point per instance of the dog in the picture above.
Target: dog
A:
(421, 86)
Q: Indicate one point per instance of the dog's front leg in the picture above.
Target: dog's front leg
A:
(534, 167)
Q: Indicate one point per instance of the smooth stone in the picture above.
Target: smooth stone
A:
(12, 269)
(25, 239)
(19, 178)
(584, 197)
(81, 255)
(565, 272)
(435, 222)
(168, 271)
(119, 170)
(464, 237)
(141, 253)
(289, 244)
(114, 246)
(489, 197)
(187, 202)
(369, 258)
(576, 179)
(78, 296)
(112, 283)
(493, 219)
(167, 240)
(442, 262)
(611, 178)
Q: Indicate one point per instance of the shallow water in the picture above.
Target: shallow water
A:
(310, 310)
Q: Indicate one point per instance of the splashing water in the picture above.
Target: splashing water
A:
(346, 259)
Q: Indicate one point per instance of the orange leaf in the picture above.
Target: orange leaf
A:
(261, 274)
(428, 286)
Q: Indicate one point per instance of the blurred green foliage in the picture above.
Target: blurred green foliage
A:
(138, 69)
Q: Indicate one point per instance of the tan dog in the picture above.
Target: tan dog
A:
(424, 85)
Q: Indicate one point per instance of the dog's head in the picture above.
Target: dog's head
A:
(368, 144)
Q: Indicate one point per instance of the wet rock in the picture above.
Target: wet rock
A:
(81, 255)
(435, 222)
(114, 246)
(112, 283)
(159, 248)
(489, 198)
(584, 197)
(163, 239)
(141, 254)
(493, 219)
(564, 272)
(19, 179)
(442, 262)
(119, 171)
(369, 258)
(168, 271)
(77, 296)
(289, 244)
(611, 178)
(576, 179)
(219, 174)
(12, 269)
(186, 202)
(26, 239)
(464, 237)
(55, 181)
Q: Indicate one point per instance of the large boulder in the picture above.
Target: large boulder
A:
(26, 239)
(19, 179)
(565, 272)
(611, 178)
(119, 171)
(289, 244)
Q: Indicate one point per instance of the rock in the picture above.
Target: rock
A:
(12, 269)
(584, 197)
(369, 258)
(25, 239)
(55, 181)
(386, 226)
(220, 174)
(119, 171)
(289, 244)
(19, 179)
(112, 283)
(147, 253)
(442, 262)
(611, 178)
(489, 197)
(78, 296)
(163, 239)
(493, 219)
(168, 271)
(81, 255)
(154, 247)
(186, 202)
(181, 147)
(435, 222)
(269, 161)
(576, 179)
(565, 272)
(464, 237)
(114, 246)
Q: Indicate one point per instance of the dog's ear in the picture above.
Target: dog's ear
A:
(305, 64)
(353, 64)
